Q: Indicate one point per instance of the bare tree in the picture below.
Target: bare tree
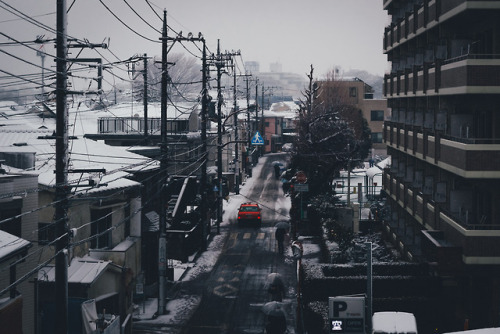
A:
(321, 148)
(184, 75)
(334, 94)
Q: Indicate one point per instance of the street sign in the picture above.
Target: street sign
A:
(346, 314)
(301, 187)
(301, 177)
(257, 139)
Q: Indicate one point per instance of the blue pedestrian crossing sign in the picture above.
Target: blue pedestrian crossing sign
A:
(257, 139)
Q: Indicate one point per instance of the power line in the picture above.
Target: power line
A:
(155, 29)
(126, 25)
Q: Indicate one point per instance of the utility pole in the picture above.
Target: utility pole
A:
(369, 285)
(162, 242)
(145, 97)
(62, 188)
(219, 64)
(263, 129)
(349, 176)
(41, 54)
(205, 224)
(236, 138)
(203, 187)
(257, 105)
(236, 153)
(247, 159)
(61, 210)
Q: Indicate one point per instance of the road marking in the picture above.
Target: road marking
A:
(232, 240)
(224, 290)
(247, 235)
(261, 235)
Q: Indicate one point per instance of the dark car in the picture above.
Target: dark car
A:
(249, 213)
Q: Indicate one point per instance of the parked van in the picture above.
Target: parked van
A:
(394, 323)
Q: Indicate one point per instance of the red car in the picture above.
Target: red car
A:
(249, 213)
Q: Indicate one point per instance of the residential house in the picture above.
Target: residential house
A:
(19, 249)
(104, 211)
(278, 120)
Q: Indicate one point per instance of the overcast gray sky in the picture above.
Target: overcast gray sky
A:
(295, 33)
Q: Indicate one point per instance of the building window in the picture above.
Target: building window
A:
(46, 233)
(377, 115)
(376, 137)
(12, 225)
(266, 124)
(100, 222)
(353, 92)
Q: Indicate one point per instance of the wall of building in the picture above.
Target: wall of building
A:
(25, 186)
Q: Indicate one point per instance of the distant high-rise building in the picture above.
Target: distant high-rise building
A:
(252, 67)
(275, 67)
(443, 185)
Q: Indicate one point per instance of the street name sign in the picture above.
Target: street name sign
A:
(301, 187)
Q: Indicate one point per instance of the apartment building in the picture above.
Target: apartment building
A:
(443, 185)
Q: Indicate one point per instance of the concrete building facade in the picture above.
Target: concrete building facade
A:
(444, 141)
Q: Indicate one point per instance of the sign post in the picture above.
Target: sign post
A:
(301, 177)
(346, 314)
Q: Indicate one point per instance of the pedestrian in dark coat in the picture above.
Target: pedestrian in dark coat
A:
(276, 324)
(275, 287)
(280, 237)
(277, 171)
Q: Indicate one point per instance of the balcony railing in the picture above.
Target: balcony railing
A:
(136, 125)
(412, 200)
(472, 71)
(472, 141)
(467, 157)
(423, 15)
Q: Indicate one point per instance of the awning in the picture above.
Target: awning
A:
(371, 172)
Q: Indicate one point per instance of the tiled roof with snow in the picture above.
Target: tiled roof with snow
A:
(27, 132)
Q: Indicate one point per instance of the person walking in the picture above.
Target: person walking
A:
(277, 171)
(276, 324)
(280, 237)
(275, 287)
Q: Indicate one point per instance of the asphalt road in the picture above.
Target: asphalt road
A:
(234, 292)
